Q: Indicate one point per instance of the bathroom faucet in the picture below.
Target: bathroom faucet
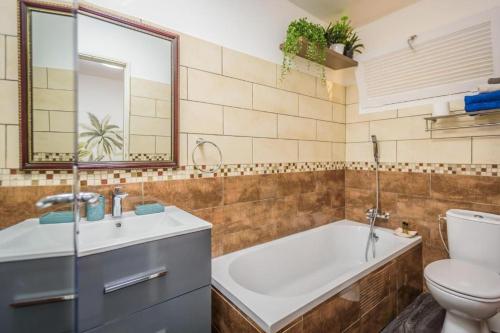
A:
(374, 213)
(50, 200)
(117, 202)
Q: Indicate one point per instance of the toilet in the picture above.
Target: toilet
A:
(468, 284)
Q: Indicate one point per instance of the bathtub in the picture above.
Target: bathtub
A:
(276, 282)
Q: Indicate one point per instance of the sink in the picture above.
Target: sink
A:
(30, 240)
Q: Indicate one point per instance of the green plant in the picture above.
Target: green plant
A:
(353, 45)
(339, 32)
(102, 139)
(299, 34)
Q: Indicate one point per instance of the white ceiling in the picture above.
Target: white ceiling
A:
(360, 12)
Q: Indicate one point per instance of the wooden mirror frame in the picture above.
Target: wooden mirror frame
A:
(25, 79)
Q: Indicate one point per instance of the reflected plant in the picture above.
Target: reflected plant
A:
(102, 139)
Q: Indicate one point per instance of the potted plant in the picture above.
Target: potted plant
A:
(353, 45)
(304, 34)
(337, 34)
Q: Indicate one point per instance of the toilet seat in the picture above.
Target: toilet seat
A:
(465, 280)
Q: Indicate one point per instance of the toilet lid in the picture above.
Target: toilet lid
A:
(464, 278)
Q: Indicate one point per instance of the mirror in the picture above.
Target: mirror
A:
(126, 112)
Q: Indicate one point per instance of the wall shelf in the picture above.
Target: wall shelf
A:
(459, 120)
(334, 60)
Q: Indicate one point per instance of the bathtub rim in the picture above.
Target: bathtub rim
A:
(273, 325)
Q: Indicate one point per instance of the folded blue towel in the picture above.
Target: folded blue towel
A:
(471, 107)
(57, 217)
(149, 209)
(483, 97)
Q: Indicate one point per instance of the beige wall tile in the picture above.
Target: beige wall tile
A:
(60, 79)
(234, 149)
(324, 90)
(49, 99)
(8, 102)
(163, 109)
(406, 128)
(197, 53)
(327, 131)
(242, 122)
(2, 57)
(211, 88)
(338, 151)
(275, 100)
(275, 150)
(201, 118)
(150, 89)
(338, 93)
(315, 151)
(183, 82)
(8, 17)
(142, 144)
(150, 126)
(246, 67)
(435, 151)
(62, 121)
(351, 94)
(163, 145)
(3, 146)
(338, 113)
(486, 150)
(183, 149)
(353, 115)
(296, 128)
(297, 82)
(310, 107)
(41, 121)
(363, 152)
(12, 154)
(357, 132)
(51, 142)
(142, 106)
(39, 77)
(415, 110)
(457, 105)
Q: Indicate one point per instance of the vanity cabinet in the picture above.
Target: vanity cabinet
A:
(148, 287)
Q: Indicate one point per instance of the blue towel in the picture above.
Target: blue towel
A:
(493, 96)
(471, 107)
(57, 217)
(149, 209)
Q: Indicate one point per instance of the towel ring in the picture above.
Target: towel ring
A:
(200, 142)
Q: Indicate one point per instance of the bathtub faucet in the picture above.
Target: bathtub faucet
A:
(373, 213)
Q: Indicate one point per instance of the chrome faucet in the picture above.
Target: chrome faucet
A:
(117, 202)
(50, 200)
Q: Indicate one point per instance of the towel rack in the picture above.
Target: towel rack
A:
(431, 121)
(199, 143)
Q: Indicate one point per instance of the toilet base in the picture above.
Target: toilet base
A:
(458, 324)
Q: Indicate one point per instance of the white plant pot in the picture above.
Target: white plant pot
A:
(339, 48)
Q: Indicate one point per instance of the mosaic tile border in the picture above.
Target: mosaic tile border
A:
(14, 177)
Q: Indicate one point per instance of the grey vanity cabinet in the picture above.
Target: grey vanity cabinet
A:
(161, 276)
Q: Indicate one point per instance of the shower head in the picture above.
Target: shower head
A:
(375, 148)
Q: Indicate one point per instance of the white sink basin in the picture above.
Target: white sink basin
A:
(30, 240)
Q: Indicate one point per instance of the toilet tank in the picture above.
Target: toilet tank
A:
(474, 237)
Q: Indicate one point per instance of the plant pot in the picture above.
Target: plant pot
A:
(338, 47)
(349, 53)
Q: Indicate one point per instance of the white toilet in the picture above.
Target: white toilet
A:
(468, 284)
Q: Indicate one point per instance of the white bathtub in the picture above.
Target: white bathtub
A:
(276, 282)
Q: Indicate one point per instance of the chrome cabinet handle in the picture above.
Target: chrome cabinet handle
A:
(134, 279)
(31, 301)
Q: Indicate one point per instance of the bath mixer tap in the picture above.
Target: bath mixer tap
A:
(50, 200)
(117, 202)
(374, 213)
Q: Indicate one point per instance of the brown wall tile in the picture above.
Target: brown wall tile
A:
(477, 189)
(416, 184)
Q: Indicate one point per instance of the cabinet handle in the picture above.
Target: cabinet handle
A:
(42, 300)
(134, 279)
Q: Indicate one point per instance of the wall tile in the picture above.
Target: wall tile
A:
(338, 94)
(327, 131)
(183, 149)
(8, 17)
(310, 151)
(339, 113)
(351, 94)
(62, 121)
(274, 150)
(183, 82)
(353, 115)
(466, 188)
(435, 151)
(406, 128)
(163, 144)
(486, 150)
(201, 118)
(60, 79)
(275, 100)
(163, 109)
(53, 142)
(357, 132)
(144, 144)
(244, 122)
(39, 77)
(142, 106)
(235, 150)
(415, 110)
(8, 102)
(12, 156)
(197, 53)
(2, 57)
(296, 128)
(150, 89)
(211, 88)
(49, 99)
(41, 121)
(149, 126)
(457, 105)
(3, 145)
(297, 82)
(315, 108)
(363, 151)
(246, 67)
(325, 90)
(338, 151)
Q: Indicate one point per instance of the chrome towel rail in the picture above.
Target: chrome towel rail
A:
(199, 143)
(487, 118)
